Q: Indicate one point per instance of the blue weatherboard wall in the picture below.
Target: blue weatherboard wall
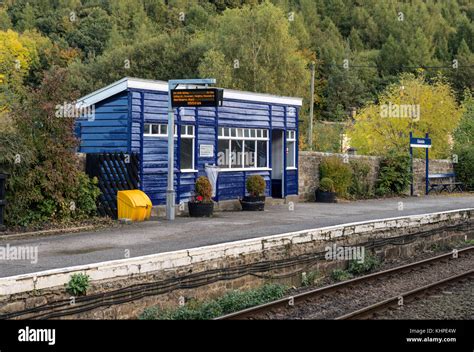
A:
(118, 127)
(109, 131)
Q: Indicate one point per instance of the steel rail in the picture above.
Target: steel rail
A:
(368, 310)
(294, 300)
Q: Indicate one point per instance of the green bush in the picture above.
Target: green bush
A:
(230, 302)
(78, 284)
(370, 262)
(86, 196)
(464, 168)
(394, 175)
(256, 185)
(339, 172)
(38, 152)
(204, 189)
(326, 185)
(340, 275)
(307, 279)
(464, 145)
(360, 186)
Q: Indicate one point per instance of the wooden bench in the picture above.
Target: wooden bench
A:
(436, 183)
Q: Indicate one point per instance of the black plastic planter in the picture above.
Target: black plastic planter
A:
(253, 203)
(325, 197)
(200, 210)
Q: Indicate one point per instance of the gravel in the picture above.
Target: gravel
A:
(454, 301)
(363, 294)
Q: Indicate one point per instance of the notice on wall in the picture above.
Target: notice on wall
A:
(206, 151)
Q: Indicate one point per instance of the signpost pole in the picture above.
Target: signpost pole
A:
(427, 163)
(420, 143)
(170, 192)
(411, 165)
(311, 108)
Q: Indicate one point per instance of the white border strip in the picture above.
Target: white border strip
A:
(162, 86)
(169, 260)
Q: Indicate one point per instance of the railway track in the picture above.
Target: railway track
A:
(287, 307)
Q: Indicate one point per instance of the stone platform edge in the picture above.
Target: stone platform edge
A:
(172, 260)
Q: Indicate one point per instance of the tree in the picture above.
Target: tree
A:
(5, 22)
(463, 148)
(92, 31)
(16, 57)
(154, 58)
(410, 105)
(462, 76)
(46, 183)
(262, 54)
(214, 64)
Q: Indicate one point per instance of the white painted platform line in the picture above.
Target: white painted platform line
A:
(168, 260)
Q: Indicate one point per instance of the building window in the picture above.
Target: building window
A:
(290, 149)
(187, 141)
(157, 130)
(242, 148)
(187, 148)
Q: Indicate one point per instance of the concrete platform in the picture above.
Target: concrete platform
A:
(160, 236)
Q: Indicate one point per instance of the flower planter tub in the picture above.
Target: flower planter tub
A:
(200, 210)
(250, 203)
(325, 197)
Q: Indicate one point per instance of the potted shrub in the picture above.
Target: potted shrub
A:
(256, 199)
(201, 205)
(325, 193)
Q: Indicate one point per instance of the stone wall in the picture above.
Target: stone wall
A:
(309, 171)
(121, 289)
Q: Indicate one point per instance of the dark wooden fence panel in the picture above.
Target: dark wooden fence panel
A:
(115, 172)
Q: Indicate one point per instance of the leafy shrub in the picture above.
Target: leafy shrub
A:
(340, 275)
(204, 189)
(45, 183)
(394, 175)
(256, 185)
(464, 145)
(360, 185)
(78, 284)
(326, 185)
(339, 172)
(464, 168)
(228, 303)
(86, 196)
(369, 263)
(308, 279)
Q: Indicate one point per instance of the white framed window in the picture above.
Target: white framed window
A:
(157, 130)
(187, 148)
(291, 149)
(242, 148)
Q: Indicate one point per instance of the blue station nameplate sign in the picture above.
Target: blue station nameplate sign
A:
(420, 142)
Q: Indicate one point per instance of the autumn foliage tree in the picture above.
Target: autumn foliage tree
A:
(252, 49)
(414, 105)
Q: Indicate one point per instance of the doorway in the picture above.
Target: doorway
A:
(278, 175)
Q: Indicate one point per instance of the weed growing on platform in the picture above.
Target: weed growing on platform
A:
(228, 303)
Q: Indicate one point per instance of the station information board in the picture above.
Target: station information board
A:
(189, 98)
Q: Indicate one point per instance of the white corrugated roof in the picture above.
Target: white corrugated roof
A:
(162, 86)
